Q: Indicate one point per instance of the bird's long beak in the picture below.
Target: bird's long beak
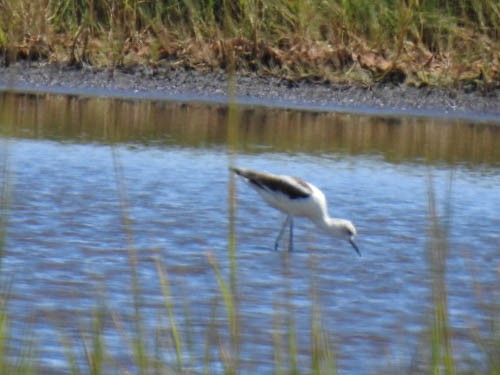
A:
(351, 241)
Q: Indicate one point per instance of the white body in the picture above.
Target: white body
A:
(313, 207)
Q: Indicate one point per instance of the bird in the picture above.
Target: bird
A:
(296, 197)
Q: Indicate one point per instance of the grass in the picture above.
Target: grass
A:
(431, 42)
(438, 247)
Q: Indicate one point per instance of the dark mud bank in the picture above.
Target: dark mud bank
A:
(143, 82)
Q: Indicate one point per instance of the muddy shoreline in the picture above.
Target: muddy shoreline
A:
(180, 84)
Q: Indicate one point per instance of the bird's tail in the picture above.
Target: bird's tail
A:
(246, 173)
(234, 169)
(238, 171)
(263, 180)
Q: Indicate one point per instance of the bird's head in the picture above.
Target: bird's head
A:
(350, 233)
(347, 230)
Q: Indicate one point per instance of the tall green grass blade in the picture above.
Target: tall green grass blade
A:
(278, 342)
(231, 356)
(138, 341)
(293, 361)
(231, 296)
(167, 298)
(69, 351)
(5, 197)
(4, 336)
(96, 352)
(441, 346)
(322, 353)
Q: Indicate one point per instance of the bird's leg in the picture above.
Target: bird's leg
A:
(290, 241)
(280, 234)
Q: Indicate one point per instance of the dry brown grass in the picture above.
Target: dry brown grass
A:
(439, 42)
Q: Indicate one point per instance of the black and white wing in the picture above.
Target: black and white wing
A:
(292, 187)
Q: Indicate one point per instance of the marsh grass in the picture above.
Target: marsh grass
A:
(5, 195)
(14, 360)
(436, 42)
(441, 357)
(437, 252)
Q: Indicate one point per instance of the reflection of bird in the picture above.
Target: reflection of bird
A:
(296, 197)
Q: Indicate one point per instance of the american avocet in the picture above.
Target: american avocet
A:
(296, 197)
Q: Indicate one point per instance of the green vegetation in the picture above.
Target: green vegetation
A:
(420, 42)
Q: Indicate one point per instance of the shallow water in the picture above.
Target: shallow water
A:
(95, 182)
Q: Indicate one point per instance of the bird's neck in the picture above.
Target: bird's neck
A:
(330, 224)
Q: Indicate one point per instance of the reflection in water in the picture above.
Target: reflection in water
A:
(90, 119)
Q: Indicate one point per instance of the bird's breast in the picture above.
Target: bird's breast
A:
(291, 206)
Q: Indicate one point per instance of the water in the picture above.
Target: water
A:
(96, 185)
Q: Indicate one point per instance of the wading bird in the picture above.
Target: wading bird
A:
(296, 197)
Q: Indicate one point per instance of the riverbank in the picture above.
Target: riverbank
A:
(182, 84)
